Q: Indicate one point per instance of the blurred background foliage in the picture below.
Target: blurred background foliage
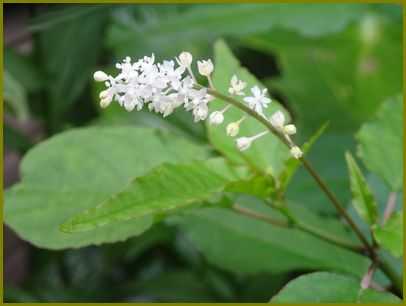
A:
(335, 62)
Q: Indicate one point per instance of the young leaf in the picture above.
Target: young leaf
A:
(266, 154)
(81, 168)
(164, 190)
(381, 143)
(390, 235)
(325, 287)
(362, 197)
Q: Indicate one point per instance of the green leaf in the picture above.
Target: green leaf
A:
(362, 197)
(381, 143)
(80, 169)
(266, 154)
(163, 190)
(172, 30)
(243, 245)
(261, 186)
(390, 235)
(325, 287)
(69, 63)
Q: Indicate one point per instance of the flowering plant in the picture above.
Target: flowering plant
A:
(162, 87)
(233, 189)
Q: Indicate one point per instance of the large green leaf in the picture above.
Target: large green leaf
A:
(266, 154)
(381, 143)
(390, 235)
(81, 169)
(362, 197)
(324, 287)
(165, 189)
(241, 244)
(174, 29)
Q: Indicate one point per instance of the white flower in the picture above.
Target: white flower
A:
(200, 112)
(205, 67)
(185, 59)
(277, 120)
(236, 86)
(258, 101)
(296, 152)
(243, 143)
(290, 129)
(216, 118)
(100, 76)
(233, 129)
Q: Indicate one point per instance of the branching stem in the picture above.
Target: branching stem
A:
(386, 268)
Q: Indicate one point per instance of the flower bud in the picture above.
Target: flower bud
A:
(100, 76)
(233, 129)
(185, 59)
(103, 94)
(205, 67)
(243, 143)
(296, 152)
(277, 120)
(290, 129)
(105, 101)
(216, 118)
(129, 105)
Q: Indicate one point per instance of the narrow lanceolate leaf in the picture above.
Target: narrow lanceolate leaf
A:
(381, 143)
(80, 169)
(325, 287)
(165, 189)
(362, 197)
(390, 235)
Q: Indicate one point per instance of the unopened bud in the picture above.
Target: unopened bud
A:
(100, 76)
(289, 129)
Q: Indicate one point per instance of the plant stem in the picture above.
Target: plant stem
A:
(308, 167)
(390, 207)
(259, 216)
(396, 280)
(386, 268)
(341, 210)
(293, 223)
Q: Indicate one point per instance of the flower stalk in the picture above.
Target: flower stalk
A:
(162, 87)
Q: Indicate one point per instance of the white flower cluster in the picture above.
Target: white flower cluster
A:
(165, 86)
(162, 86)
